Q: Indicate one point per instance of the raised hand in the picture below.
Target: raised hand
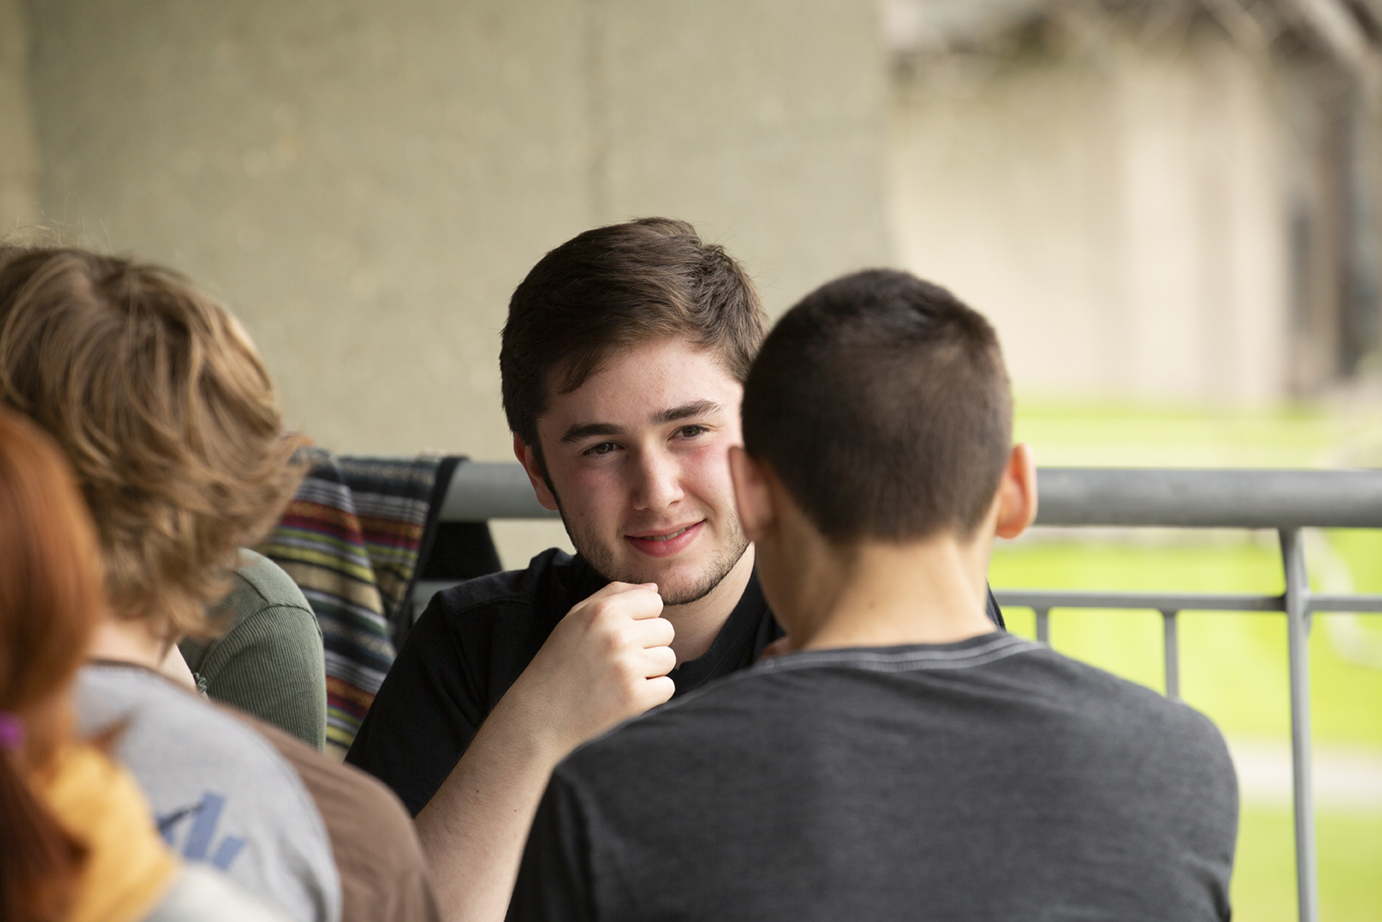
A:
(606, 661)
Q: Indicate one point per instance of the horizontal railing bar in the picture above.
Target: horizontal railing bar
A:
(484, 490)
(1158, 601)
(1120, 498)
(1344, 603)
(424, 589)
(1131, 601)
(1116, 497)
(1146, 497)
(1183, 601)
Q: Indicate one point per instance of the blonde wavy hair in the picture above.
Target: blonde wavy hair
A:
(165, 411)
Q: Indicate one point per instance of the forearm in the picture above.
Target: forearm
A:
(606, 661)
(474, 828)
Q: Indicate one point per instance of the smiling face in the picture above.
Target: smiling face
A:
(637, 460)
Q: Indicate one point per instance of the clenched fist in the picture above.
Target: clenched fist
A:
(605, 662)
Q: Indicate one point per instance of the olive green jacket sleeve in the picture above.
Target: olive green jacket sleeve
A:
(269, 662)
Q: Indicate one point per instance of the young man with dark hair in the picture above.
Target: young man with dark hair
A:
(623, 363)
(904, 759)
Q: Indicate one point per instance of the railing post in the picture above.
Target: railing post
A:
(1043, 625)
(1168, 622)
(1298, 639)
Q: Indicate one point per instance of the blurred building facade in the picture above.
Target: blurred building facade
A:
(1173, 200)
(1169, 200)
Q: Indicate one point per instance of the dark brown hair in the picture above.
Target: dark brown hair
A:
(50, 599)
(612, 288)
(882, 403)
(164, 409)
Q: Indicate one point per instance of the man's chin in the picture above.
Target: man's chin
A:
(675, 589)
(674, 594)
(675, 584)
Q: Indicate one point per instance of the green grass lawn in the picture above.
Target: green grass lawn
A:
(1233, 665)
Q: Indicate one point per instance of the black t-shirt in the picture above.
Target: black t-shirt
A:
(990, 779)
(473, 642)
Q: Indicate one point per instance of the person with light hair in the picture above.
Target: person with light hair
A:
(167, 415)
(76, 839)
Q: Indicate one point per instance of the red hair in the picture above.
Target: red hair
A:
(50, 598)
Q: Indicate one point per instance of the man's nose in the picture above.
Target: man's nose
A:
(659, 481)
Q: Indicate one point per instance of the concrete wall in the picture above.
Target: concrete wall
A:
(1122, 220)
(18, 153)
(366, 183)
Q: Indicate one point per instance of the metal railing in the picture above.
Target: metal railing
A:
(1284, 501)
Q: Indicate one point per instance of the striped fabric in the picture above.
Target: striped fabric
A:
(350, 539)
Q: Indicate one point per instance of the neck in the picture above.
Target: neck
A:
(130, 640)
(882, 594)
(127, 642)
(698, 623)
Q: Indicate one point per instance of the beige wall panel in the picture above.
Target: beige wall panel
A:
(999, 187)
(1164, 349)
(1245, 170)
(1121, 222)
(762, 122)
(363, 187)
(18, 154)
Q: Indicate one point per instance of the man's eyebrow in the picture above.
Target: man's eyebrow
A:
(686, 411)
(583, 431)
(587, 430)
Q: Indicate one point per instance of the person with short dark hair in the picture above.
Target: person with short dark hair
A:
(903, 759)
(623, 361)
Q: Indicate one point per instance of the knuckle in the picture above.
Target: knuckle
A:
(626, 669)
(626, 696)
(614, 638)
(602, 629)
(657, 690)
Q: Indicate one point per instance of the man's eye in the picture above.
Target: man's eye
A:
(690, 432)
(603, 448)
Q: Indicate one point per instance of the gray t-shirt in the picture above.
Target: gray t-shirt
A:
(220, 793)
(201, 894)
(991, 779)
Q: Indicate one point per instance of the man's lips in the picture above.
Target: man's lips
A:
(665, 543)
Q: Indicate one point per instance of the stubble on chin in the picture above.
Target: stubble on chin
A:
(603, 559)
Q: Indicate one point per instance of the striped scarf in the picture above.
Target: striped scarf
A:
(350, 539)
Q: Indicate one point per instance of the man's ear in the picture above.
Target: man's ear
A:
(751, 493)
(528, 458)
(1017, 493)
